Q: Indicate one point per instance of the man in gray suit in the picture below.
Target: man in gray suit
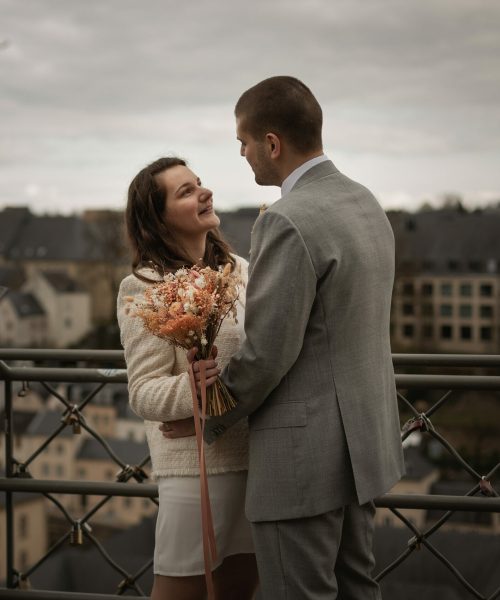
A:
(315, 375)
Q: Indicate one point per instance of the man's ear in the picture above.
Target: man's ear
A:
(274, 145)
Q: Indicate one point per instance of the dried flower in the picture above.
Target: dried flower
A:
(187, 309)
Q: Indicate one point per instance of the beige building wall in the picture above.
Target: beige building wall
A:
(100, 279)
(126, 429)
(407, 486)
(69, 314)
(21, 332)
(102, 419)
(119, 511)
(447, 313)
(30, 533)
(56, 460)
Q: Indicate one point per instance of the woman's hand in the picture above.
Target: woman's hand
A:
(185, 427)
(211, 369)
(178, 429)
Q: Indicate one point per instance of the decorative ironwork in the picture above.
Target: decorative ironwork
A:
(482, 497)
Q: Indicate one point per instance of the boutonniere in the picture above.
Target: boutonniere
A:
(262, 209)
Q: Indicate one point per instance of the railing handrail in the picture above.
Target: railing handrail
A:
(62, 374)
(142, 490)
(399, 359)
(481, 498)
(62, 355)
(92, 375)
(18, 594)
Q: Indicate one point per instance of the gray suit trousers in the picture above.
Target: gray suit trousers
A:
(323, 557)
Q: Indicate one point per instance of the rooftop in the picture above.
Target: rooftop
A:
(128, 451)
(45, 423)
(448, 240)
(25, 304)
(61, 281)
(25, 236)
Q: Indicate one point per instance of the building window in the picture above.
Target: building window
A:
(453, 265)
(446, 310)
(110, 475)
(475, 266)
(408, 309)
(446, 289)
(465, 310)
(446, 332)
(486, 289)
(60, 448)
(466, 289)
(428, 265)
(486, 334)
(427, 289)
(127, 502)
(408, 289)
(486, 311)
(465, 332)
(81, 473)
(84, 501)
(408, 331)
(68, 323)
(427, 310)
(60, 470)
(23, 526)
(45, 468)
(428, 331)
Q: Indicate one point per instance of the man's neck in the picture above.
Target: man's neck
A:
(295, 161)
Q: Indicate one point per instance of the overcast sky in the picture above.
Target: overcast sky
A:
(93, 90)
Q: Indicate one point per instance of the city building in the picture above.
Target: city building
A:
(24, 321)
(30, 530)
(66, 304)
(419, 477)
(93, 462)
(89, 248)
(447, 289)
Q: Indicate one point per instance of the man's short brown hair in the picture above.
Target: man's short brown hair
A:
(285, 106)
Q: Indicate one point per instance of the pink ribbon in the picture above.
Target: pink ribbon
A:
(207, 525)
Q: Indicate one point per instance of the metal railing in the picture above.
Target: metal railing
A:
(482, 496)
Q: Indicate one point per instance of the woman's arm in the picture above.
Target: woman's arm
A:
(155, 393)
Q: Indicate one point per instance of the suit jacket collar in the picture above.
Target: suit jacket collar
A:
(317, 172)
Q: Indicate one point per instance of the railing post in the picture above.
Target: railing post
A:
(9, 472)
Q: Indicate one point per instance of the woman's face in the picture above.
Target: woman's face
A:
(189, 205)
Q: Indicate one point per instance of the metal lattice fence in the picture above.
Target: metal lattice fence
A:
(130, 478)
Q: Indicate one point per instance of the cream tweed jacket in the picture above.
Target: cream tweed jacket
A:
(159, 389)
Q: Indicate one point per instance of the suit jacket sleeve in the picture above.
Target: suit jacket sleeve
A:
(280, 292)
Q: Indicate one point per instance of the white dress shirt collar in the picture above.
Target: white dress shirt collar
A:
(294, 176)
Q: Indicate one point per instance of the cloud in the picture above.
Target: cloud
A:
(92, 91)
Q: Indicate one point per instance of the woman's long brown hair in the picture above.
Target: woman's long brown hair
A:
(152, 240)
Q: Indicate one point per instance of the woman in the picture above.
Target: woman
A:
(171, 223)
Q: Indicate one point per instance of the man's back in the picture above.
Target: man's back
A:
(343, 443)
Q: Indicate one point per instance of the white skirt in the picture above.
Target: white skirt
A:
(179, 544)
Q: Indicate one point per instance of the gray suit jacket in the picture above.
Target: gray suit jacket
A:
(315, 373)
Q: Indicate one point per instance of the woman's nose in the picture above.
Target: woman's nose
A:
(206, 194)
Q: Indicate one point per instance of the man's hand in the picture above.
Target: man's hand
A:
(211, 369)
(178, 429)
